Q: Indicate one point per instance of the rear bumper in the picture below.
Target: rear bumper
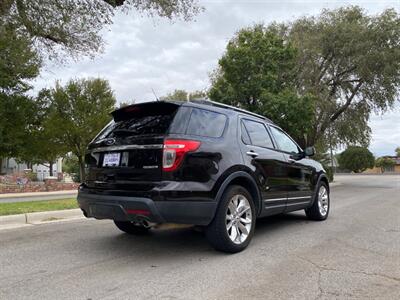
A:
(123, 208)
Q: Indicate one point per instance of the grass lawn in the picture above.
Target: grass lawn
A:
(35, 206)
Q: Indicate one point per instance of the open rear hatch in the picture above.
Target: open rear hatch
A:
(127, 153)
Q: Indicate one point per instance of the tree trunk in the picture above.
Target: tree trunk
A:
(51, 168)
(81, 168)
(1, 165)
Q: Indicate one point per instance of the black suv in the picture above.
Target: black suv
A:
(201, 163)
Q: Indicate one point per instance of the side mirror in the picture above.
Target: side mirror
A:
(309, 151)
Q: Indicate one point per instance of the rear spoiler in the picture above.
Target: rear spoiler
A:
(145, 109)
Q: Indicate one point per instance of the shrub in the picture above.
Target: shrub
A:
(356, 159)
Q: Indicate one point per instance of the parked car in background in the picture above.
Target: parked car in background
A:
(201, 163)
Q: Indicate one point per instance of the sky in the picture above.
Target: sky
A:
(143, 54)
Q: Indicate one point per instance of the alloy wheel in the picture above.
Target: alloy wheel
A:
(323, 200)
(239, 219)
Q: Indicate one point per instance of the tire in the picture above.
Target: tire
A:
(242, 219)
(131, 227)
(319, 211)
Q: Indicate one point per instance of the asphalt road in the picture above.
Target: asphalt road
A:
(354, 254)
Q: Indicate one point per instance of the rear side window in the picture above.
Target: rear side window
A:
(258, 134)
(206, 123)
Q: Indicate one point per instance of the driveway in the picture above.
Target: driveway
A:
(355, 254)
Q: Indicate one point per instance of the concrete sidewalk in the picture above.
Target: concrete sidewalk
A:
(37, 196)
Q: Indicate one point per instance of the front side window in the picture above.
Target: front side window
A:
(284, 142)
(258, 134)
(206, 123)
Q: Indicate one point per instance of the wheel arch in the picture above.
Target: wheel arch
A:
(324, 179)
(321, 178)
(245, 180)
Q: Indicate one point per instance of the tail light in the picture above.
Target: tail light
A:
(174, 152)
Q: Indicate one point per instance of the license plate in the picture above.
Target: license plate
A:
(111, 159)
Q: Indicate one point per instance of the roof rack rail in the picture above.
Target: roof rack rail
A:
(221, 105)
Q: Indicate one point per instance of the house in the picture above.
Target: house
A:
(11, 166)
(392, 169)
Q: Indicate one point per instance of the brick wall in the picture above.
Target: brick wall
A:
(37, 187)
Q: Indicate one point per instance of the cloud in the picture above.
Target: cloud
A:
(385, 132)
(142, 54)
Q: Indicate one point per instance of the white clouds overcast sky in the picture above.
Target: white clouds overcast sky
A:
(142, 54)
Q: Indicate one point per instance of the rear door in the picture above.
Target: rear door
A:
(269, 165)
(298, 172)
(127, 154)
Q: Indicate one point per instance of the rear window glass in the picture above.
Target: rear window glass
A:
(206, 123)
(142, 119)
(157, 124)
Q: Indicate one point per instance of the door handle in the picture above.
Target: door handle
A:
(252, 153)
(291, 160)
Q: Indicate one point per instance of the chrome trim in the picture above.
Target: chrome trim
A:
(275, 206)
(290, 198)
(126, 147)
(252, 154)
(305, 197)
(275, 199)
(297, 203)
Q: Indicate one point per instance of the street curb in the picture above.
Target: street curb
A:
(20, 220)
(45, 216)
(12, 220)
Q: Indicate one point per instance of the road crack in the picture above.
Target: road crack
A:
(322, 268)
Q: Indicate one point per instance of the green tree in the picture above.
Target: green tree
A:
(18, 65)
(350, 62)
(78, 111)
(384, 163)
(182, 95)
(17, 115)
(256, 73)
(71, 166)
(356, 159)
(343, 63)
(19, 62)
(74, 26)
(43, 145)
(33, 30)
(397, 150)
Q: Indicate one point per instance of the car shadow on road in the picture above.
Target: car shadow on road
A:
(180, 242)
